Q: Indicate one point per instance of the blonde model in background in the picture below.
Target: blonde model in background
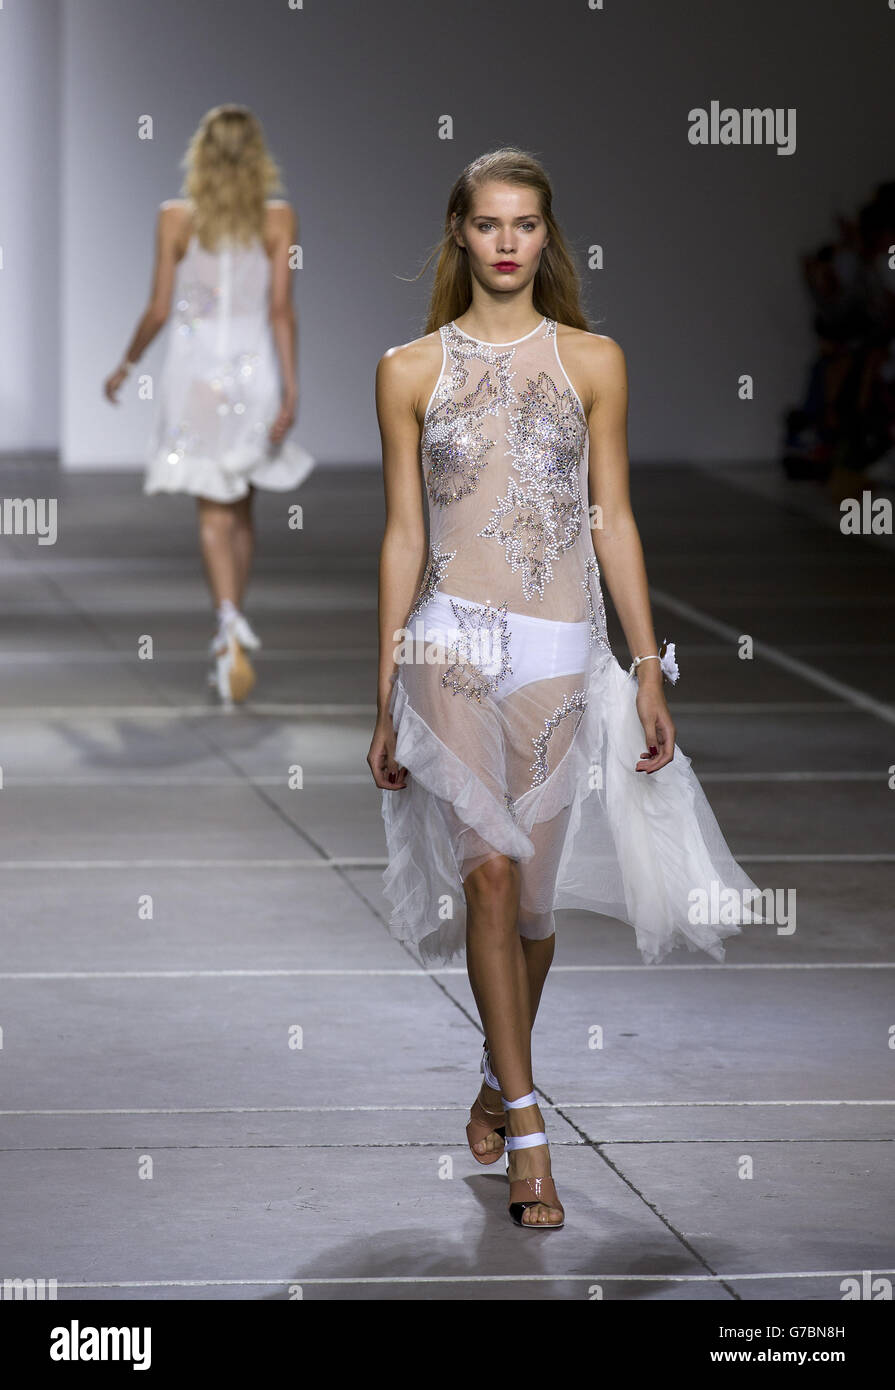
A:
(227, 393)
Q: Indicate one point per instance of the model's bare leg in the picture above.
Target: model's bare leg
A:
(497, 973)
(499, 977)
(538, 960)
(244, 542)
(217, 526)
(525, 710)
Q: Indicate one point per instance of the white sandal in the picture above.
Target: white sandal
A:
(244, 633)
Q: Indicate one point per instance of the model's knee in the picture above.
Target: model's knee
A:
(493, 884)
(537, 927)
(217, 526)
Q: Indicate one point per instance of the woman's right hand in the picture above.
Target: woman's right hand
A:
(387, 772)
(113, 383)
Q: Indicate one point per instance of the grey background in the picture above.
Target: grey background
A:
(701, 279)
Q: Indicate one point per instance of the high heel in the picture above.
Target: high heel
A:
(233, 675)
(481, 1120)
(531, 1192)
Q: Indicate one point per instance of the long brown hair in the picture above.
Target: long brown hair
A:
(556, 292)
(229, 174)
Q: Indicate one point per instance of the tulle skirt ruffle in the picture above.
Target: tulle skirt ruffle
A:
(279, 470)
(594, 834)
(211, 431)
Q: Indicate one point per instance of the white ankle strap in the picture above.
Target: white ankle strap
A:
(530, 1099)
(490, 1079)
(525, 1141)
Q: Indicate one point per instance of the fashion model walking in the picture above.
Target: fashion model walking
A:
(227, 395)
(509, 743)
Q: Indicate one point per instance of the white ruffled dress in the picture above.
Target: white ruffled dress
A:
(219, 386)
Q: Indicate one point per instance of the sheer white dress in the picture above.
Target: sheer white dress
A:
(517, 724)
(219, 387)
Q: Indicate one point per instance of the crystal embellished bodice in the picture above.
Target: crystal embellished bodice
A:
(504, 453)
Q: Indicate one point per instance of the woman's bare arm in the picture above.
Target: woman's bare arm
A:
(282, 235)
(616, 537)
(168, 249)
(403, 551)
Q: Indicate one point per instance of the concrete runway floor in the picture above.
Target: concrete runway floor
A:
(173, 914)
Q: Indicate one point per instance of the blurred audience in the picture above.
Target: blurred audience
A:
(846, 421)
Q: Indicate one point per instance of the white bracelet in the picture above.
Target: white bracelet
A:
(125, 366)
(665, 658)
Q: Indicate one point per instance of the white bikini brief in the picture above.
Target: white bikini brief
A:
(538, 648)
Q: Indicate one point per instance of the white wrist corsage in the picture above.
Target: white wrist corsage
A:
(665, 658)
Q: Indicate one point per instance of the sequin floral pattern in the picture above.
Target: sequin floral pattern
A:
(526, 527)
(540, 515)
(436, 565)
(455, 447)
(596, 611)
(539, 768)
(480, 658)
(546, 436)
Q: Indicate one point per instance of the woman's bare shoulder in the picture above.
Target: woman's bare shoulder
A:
(175, 209)
(174, 224)
(597, 346)
(594, 359)
(411, 368)
(280, 224)
(279, 215)
(415, 355)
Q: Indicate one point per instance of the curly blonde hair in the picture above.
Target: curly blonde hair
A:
(556, 292)
(230, 173)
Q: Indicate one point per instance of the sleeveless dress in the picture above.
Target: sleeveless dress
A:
(517, 725)
(219, 389)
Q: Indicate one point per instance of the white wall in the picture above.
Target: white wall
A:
(29, 225)
(702, 278)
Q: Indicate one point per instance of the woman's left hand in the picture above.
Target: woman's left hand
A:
(285, 418)
(658, 727)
